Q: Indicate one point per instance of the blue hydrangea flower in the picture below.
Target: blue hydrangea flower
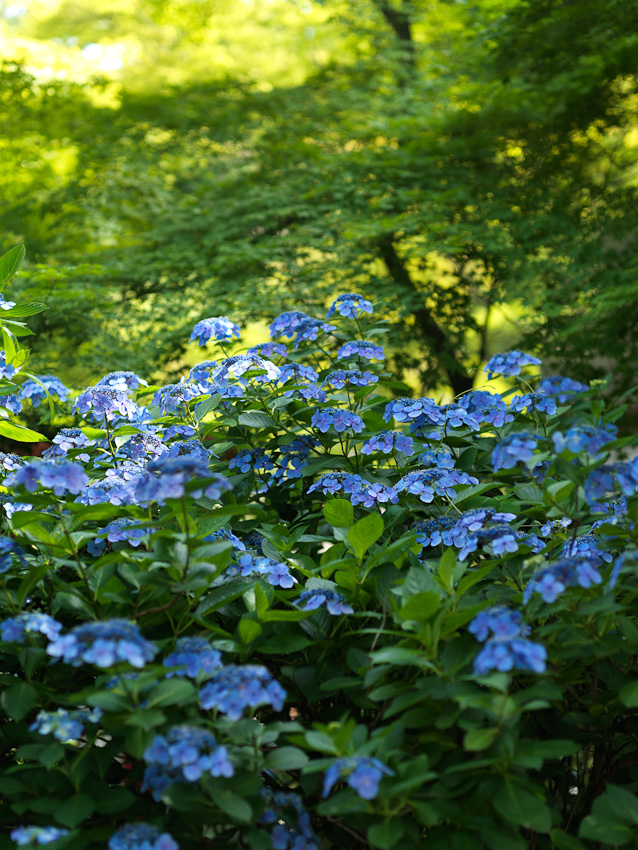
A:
(276, 573)
(66, 440)
(103, 643)
(534, 401)
(349, 305)
(192, 656)
(6, 305)
(555, 525)
(292, 827)
(233, 689)
(486, 407)
(239, 364)
(65, 725)
(387, 442)
(500, 539)
(312, 599)
(126, 529)
(113, 490)
(174, 398)
(11, 403)
(362, 774)
(330, 483)
(6, 369)
(516, 448)
(269, 349)
(184, 754)
(365, 493)
(143, 447)
(584, 438)
(189, 448)
(509, 363)
(630, 555)
(325, 418)
(286, 324)
(15, 629)
(8, 549)
(36, 393)
(352, 377)
(561, 388)
(360, 348)
(433, 532)
(425, 483)
(297, 372)
(202, 371)
(457, 416)
(549, 582)
(102, 403)
(10, 461)
(439, 459)
(226, 534)
(141, 836)
(122, 381)
(414, 410)
(30, 835)
(622, 476)
(11, 506)
(61, 477)
(248, 459)
(219, 328)
(506, 647)
(168, 477)
(309, 330)
(586, 545)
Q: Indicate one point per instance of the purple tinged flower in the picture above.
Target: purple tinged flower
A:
(325, 418)
(486, 407)
(36, 393)
(308, 330)
(61, 477)
(11, 402)
(500, 621)
(534, 401)
(509, 363)
(10, 461)
(239, 364)
(102, 403)
(66, 440)
(339, 378)
(219, 328)
(439, 459)
(8, 550)
(15, 629)
(551, 581)
(505, 647)
(584, 438)
(317, 597)
(31, 835)
(360, 348)
(202, 371)
(287, 323)
(141, 836)
(330, 483)
(168, 477)
(418, 411)
(551, 525)
(297, 373)
(126, 529)
(184, 754)
(6, 369)
(174, 398)
(388, 441)
(277, 574)
(269, 349)
(433, 532)
(585, 546)
(362, 774)
(562, 388)
(233, 689)
(103, 643)
(516, 448)
(192, 656)
(349, 305)
(426, 483)
(122, 381)
(65, 725)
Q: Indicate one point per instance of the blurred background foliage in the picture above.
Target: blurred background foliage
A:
(471, 165)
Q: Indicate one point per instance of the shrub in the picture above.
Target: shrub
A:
(275, 605)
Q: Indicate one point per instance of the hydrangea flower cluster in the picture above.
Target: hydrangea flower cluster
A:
(509, 363)
(360, 348)
(219, 328)
(10, 461)
(8, 550)
(362, 774)
(184, 754)
(561, 388)
(585, 545)
(534, 401)
(31, 835)
(340, 378)
(610, 477)
(388, 442)
(122, 381)
(269, 349)
(349, 305)
(141, 836)
(549, 582)
(174, 398)
(292, 829)
(417, 411)
(584, 438)
(192, 657)
(103, 643)
(341, 420)
(104, 404)
(309, 329)
(286, 324)
(60, 476)
(335, 603)
(15, 629)
(276, 573)
(67, 440)
(48, 385)
(65, 725)
(233, 689)
(169, 476)
(360, 491)
(125, 529)
(505, 648)
(487, 408)
(513, 449)
(428, 483)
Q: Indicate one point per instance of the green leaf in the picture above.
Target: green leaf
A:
(206, 406)
(248, 630)
(233, 805)
(286, 758)
(175, 691)
(10, 263)
(628, 695)
(18, 700)
(76, 809)
(421, 607)
(479, 739)
(28, 308)
(386, 834)
(255, 419)
(364, 533)
(513, 803)
(19, 432)
(623, 803)
(339, 513)
(146, 718)
(564, 841)
(606, 830)
(448, 562)
(32, 578)
(114, 800)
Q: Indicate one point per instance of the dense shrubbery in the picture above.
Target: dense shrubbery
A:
(275, 605)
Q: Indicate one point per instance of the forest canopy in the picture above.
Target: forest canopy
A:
(472, 164)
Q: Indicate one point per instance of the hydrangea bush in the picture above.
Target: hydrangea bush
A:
(278, 605)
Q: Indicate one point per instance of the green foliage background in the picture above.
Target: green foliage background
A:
(473, 165)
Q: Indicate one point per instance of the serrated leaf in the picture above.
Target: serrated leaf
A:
(286, 758)
(479, 739)
(10, 263)
(255, 419)
(234, 806)
(365, 533)
(19, 432)
(339, 513)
